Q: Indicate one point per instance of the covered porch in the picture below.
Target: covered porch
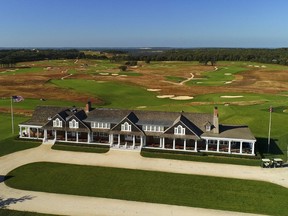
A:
(127, 141)
(172, 143)
(230, 146)
(31, 132)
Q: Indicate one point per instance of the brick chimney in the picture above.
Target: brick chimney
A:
(88, 107)
(216, 121)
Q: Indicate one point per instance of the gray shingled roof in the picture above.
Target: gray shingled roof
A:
(42, 113)
(165, 119)
(233, 132)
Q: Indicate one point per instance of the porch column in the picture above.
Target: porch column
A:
(218, 145)
(118, 140)
(141, 141)
(206, 145)
(241, 147)
(77, 137)
(66, 136)
(163, 142)
(253, 148)
(88, 137)
(55, 135)
(29, 132)
(174, 143)
(133, 142)
(45, 134)
(20, 132)
(195, 148)
(184, 144)
(110, 139)
(37, 131)
(229, 147)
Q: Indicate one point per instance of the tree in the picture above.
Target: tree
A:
(123, 67)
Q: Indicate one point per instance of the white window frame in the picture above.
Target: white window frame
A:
(103, 125)
(57, 123)
(179, 130)
(73, 124)
(208, 127)
(153, 128)
(126, 127)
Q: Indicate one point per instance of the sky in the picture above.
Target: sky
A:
(144, 23)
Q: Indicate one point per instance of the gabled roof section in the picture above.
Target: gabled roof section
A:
(187, 124)
(41, 115)
(132, 119)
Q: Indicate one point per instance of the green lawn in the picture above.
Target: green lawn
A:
(81, 148)
(156, 187)
(31, 103)
(8, 143)
(219, 77)
(201, 157)
(175, 79)
(115, 94)
(22, 70)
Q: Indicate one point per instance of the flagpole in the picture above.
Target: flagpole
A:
(12, 116)
(269, 133)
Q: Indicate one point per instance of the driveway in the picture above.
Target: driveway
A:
(79, 205)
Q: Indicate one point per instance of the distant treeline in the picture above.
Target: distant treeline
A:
(8, 58)
(276, 56)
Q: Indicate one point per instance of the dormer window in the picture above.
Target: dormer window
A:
(126, 127)
(57, 123)
(73, 124)
(179, 130)
(208, 126)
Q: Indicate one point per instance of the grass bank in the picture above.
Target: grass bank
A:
(201, 157)
(155, 187)
(81, 147)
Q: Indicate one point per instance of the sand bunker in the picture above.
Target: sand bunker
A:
(114, 74)
(104, 74)
(182, 98)
(228, 82)
(153, 90)
(227, 74)
(123, 75)
(141, 107)
(165, 96)
(231, 96)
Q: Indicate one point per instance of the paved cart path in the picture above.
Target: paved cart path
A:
(79, 205)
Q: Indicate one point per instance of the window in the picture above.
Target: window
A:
(179, 130)
(208, 127)
(73, 124)
(125, 127)
(57, 123)
(103, 125)
(153, 128)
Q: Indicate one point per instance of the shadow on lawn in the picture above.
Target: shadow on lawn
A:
(4, 202)
(262, 147)
(9, 201)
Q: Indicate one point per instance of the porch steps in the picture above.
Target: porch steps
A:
(48, 142)
(116, 147)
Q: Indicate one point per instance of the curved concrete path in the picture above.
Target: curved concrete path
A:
(79, 205)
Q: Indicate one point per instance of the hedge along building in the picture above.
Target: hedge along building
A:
(127, 129)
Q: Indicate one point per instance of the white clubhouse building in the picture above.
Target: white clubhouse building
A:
(127, 129)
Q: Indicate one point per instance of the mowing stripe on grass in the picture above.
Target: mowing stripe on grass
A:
(150, 186)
